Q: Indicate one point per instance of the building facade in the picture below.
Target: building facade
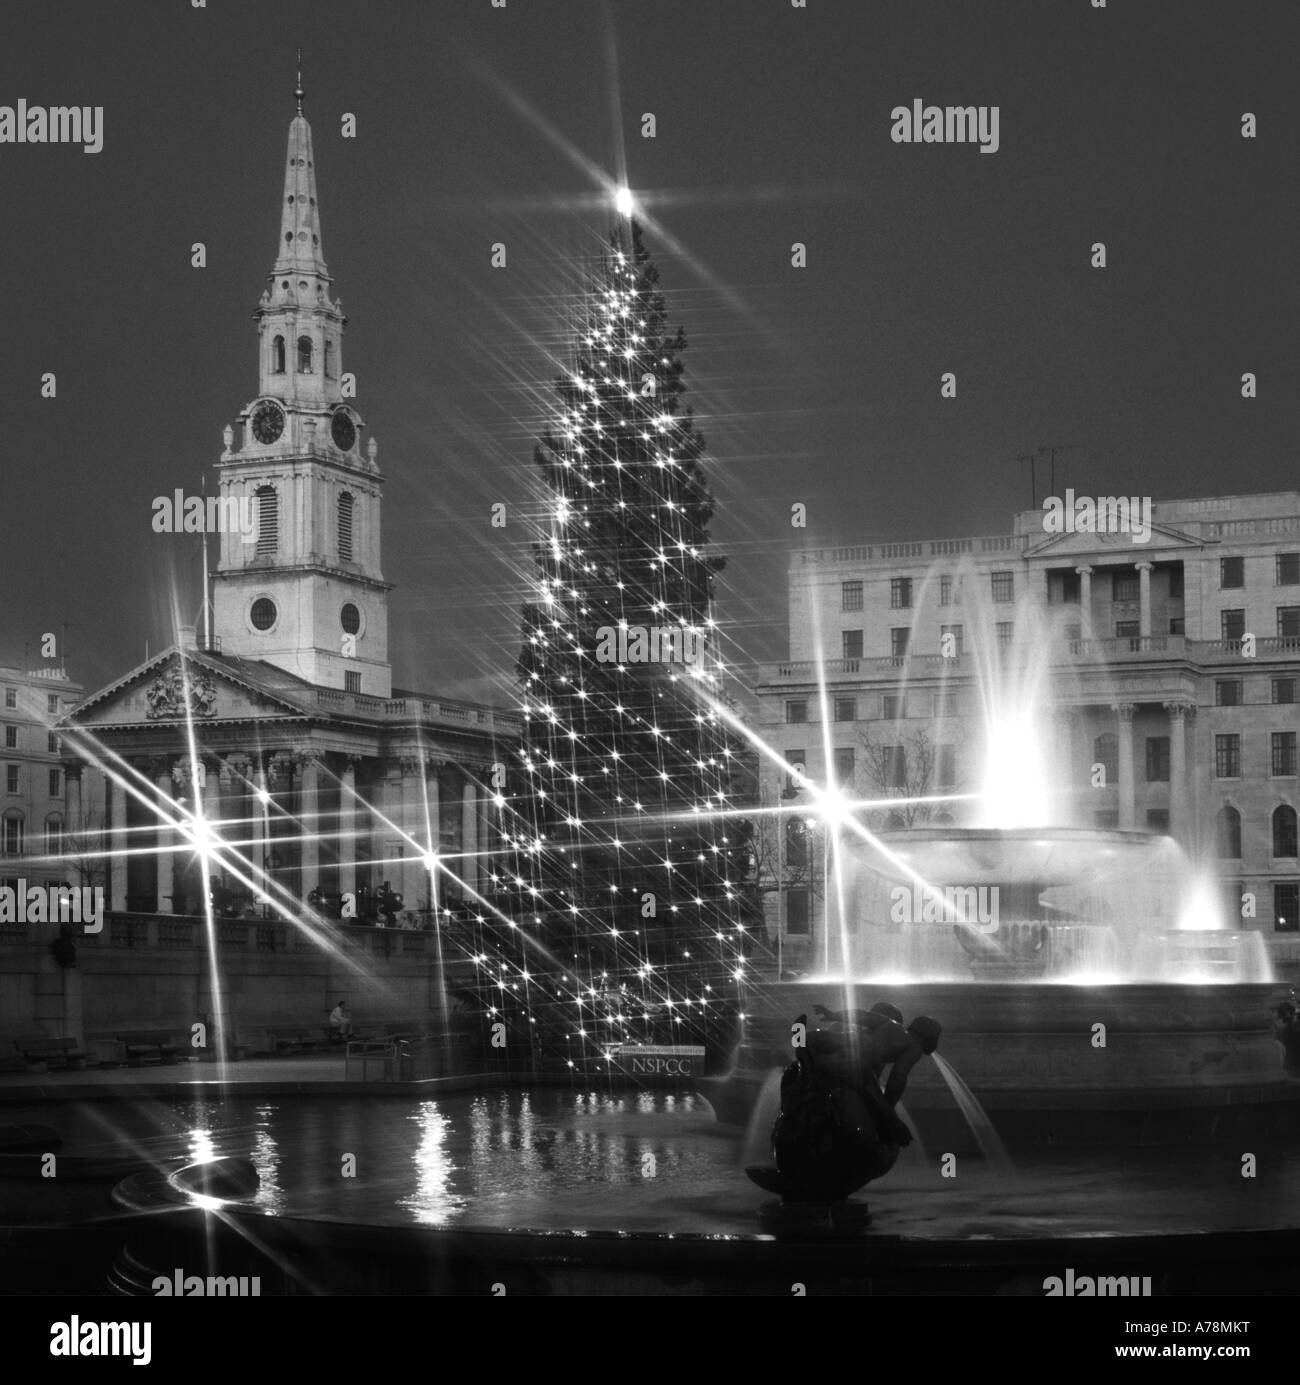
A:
(274, 746)
(1170, 661)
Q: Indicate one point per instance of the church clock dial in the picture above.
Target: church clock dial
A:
(268, 422)
(343, 430)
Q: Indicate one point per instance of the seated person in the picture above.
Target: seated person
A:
(341, 1021)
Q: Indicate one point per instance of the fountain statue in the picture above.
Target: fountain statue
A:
(837, 1131)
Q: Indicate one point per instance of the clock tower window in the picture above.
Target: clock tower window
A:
(268, 521)
(304, 355)
(345, 527)
(277, 356)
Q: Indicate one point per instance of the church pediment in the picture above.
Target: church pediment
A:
(168, 691)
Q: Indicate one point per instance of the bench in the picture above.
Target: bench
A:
(39, 1051)
(145, 1045)
(290, 1038)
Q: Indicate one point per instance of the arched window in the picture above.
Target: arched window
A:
(345, 526)
(1284, 831)
(277, 356)
(268, 521)
(329, 360)
(895, 822)
(304, 355)
(1228, 834)
(1105, 752)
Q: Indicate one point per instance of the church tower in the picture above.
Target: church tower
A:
(299, 582)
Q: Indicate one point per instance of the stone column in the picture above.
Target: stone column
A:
(469, 834)
(431, 882)
(1085, 601)
(74, 808)
(161, 769)
(348, 826)
(117, 845)
(1144, 598)
(412, 823)
(1127, 788)
(308, 822)
(1178, 818)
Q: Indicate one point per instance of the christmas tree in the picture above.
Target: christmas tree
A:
(626, 869)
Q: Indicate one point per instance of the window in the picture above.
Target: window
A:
(277, 356)
(1227, 692)
(11, 697)
(52, 742)
(345, 527)
(851, 644)
(304, 355)
(1125, 586)
(1284, 831)
(946, 766)
(895, 822)
(955, 631)
(894, 763)
(1004, 586)
(892, 706)
(1158, 821)
(268, 521)
(1286, 908)
(845, 768)
(52, 704)
(1232, 572)
(798, 762)
(329, 360)
(947, 704)
(796, 843)
(13, 836)
(56, 784)
(11, 738)
(846, 709)
(1127, 629)
(1288, 622)
(53, 836)
(850, 596)
(1288, 569)
(1227, 757)
(1157, 759)
(262, 614)
(1005, 631)
(1176, 582)
(1232, 625)
(1106, 818)
(796, 711)
(351, 682)
(1283, 748)
(899, 639)
(796, 911)
(1177, 625)
(945, 591)
(1105, 752)
(1284, 690)
(900, 593)
(11, 778)
(1227, 834)
(350, 618)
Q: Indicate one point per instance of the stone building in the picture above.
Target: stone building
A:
(280, 727)
(1174, 666)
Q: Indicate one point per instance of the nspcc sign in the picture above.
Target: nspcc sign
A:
(660, 1060)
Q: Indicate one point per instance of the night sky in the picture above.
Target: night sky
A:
(817, 385)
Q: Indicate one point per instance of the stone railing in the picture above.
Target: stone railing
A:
(423, 709)
(922, 548)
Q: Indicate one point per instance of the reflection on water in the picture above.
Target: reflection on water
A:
(560, 1159)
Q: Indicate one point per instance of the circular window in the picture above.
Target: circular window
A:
(350, 618)
(263, 613)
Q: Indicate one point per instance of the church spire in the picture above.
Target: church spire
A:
(300, 248)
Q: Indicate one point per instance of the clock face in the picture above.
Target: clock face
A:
(268, 422)
(343, 431)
